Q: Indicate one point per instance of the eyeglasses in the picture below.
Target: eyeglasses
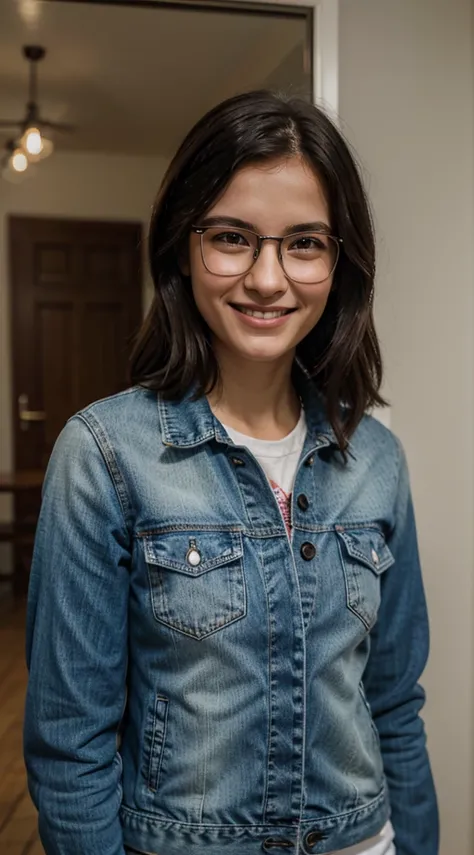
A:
(307, 258)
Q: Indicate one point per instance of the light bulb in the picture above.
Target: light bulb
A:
(32, 141)
(36, 145)
(19, 161)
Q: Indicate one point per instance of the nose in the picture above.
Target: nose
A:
(267, 276)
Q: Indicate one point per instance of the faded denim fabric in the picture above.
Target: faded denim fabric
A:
(268, 697)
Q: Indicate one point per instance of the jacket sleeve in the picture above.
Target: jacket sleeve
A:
(398, 655)
(77, 651)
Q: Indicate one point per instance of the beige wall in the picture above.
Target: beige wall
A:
(406, 100)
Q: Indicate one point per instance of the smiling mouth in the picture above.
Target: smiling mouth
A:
(262, 314)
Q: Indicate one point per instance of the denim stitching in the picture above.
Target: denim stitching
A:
(108, 455)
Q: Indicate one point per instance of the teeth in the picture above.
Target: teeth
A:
(265, 315)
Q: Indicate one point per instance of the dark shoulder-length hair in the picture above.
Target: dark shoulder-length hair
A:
(173, 352)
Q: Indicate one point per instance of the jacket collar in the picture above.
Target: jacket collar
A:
(190, 422)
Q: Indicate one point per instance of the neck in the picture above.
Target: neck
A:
(256, 398)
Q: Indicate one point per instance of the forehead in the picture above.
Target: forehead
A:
(274, 194)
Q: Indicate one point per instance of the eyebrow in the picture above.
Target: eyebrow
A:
(316, 226)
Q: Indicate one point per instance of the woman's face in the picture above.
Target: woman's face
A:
(276, 198)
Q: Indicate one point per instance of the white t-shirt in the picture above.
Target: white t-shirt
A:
(279, 460)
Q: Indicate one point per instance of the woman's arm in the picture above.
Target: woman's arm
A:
(399, 650)
(77, 651)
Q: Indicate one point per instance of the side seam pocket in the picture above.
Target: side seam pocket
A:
(160, 721)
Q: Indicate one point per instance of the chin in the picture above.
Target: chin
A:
(262, 354)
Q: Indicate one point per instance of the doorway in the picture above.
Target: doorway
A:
(76, 300)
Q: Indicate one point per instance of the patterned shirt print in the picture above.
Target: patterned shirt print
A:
(284, 503)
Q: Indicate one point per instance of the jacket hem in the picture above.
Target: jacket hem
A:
(152, 834)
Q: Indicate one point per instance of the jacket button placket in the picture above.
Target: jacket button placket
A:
(286, 649)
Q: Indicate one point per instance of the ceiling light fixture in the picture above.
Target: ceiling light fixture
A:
(34, 142)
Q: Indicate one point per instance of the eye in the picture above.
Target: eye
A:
(309, 243)
(230, 239)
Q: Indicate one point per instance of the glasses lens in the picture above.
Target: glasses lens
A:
(228, 252)
(309, 257)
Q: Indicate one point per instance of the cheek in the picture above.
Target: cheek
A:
(208, 290)
(206, 295)
(317, 302)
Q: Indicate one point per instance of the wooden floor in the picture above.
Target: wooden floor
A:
(18, 834)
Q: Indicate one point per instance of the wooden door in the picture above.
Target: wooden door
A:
(76, 296)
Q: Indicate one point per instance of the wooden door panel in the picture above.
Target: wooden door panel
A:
(56, 359)
(53, 264)
(105, 266)
(76, 298)
(76, 304)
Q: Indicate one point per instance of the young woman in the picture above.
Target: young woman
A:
(226, 619)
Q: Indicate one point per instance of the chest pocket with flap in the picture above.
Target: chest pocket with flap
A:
(365, 556)
(196, 579)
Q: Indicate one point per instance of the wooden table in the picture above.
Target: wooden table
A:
(20, 532)
(16, 481)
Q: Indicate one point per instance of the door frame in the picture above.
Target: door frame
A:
(325, 41)
(322, 18)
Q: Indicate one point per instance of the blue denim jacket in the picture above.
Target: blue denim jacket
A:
(199, 680)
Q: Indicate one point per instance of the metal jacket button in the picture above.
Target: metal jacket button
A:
(313, 838)
(237, 461)
(308, 550)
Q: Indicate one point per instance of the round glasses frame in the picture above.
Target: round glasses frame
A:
(201, 230)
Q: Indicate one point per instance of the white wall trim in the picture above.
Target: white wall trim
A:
(326, 50)
(326, 55)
